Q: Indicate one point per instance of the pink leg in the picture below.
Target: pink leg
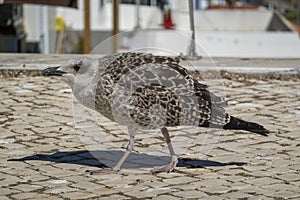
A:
(117, 167)
(171, 166)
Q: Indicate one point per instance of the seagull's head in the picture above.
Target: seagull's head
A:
(70, 69)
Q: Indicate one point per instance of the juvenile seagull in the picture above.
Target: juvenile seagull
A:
(144, 91)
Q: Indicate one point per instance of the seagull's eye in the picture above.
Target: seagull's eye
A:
(76, 67)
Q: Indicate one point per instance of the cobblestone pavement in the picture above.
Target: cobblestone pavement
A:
(45, 156)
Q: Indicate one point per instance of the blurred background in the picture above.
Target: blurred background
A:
(224, 28)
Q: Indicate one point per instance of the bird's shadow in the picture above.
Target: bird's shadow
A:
(104, 159)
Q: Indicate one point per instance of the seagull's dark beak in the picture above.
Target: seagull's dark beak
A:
(52, 71)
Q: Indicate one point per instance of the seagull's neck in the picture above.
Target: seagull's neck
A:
(84, 91)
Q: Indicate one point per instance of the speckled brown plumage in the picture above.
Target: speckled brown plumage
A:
(157, 81)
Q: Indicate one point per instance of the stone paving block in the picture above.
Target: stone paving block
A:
(190, 194)
(140, 194)
(215, 189)
(164, 197)
(239, 185)
(115, 197)
(60, 190)
(289, 177)
(116, 182)
(33, 177)
(7, 191)
(157, 183)
(78, 195)
(27, 187)
(67, 166)
(13, 146)
(184, 187)
(2, 197)
(254, 190)
(235, 195)
(10, 180)
(254, 168)
(127, 188)
(32, 195)
(78, 178)
(263, 181)
(100, 192)
(259, 197)
(280, 187)
(160, 190)
(50, 184)
(179, 180)
(285, 195)
(84, 185)
(210, 180)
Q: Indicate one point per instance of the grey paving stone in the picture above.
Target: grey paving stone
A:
(285, 195)
(84, 185)
(236, 195)
(60, 190)
(279, 187)
(7, 191)
(189, 194)
(4, 197)
(32, 195)
(102, 192)
(218, 189)
(289, 177)
(115, 197)
(259, 197)
(27, 187)
(78, 195)
(255, 190)
(263, 181)
(163, 197)
(10, 180)
(179, 180)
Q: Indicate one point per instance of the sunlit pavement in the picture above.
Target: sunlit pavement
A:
(43, 156)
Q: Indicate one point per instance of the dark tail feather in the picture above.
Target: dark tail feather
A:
(239, 124)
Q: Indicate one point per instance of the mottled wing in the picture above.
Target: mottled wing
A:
(155, 90)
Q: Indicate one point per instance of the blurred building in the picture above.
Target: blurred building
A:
(247, 28)
(12, 33)
(25, 24)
